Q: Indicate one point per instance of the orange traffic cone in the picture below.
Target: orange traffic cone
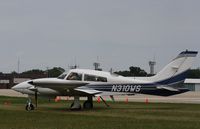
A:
(57, 99)
(126, 101)
(98, 99)
(146, 100)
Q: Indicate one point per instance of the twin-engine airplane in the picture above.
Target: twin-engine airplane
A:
(91, 83)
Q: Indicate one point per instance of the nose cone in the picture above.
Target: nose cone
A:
(21, 87)
(14, 87)
(18, 87)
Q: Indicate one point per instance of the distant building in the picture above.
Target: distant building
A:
(152, 67)
(9, 80)
(192, 84)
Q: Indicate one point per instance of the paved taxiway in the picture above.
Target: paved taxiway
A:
(189, 97)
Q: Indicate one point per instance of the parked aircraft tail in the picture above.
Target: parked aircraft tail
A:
(176, 71)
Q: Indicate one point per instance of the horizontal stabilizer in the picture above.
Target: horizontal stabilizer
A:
(167, 88)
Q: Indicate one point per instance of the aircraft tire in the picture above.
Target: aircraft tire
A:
(29, 107)
(88, 105)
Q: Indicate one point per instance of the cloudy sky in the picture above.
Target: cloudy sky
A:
(122, 33)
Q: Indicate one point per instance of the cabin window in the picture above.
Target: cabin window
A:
(75, 76)
(94, 78)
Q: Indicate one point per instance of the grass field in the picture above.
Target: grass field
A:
(120, 115)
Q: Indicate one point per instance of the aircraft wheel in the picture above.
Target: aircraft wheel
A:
(88, 105)
(30, 107)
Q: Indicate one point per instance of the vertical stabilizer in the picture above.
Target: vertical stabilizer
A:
(176, 70)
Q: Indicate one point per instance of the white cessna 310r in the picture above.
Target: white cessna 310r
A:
(91, 83)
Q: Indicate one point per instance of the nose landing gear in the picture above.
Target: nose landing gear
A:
(29, 106)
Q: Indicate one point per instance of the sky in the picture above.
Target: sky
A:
(117, 33)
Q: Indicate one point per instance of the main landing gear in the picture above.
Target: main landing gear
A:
(86, 105)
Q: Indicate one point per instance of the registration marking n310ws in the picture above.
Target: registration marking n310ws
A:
(126, 88)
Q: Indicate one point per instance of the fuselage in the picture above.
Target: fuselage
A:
(98, 80)
(91, 77)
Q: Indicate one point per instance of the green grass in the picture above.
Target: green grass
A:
(120, 115)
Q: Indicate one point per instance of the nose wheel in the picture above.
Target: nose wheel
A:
(29, 106)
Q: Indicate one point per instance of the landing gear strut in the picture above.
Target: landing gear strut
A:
(29, 105)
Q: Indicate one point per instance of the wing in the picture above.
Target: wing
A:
(60, 85)
(88, 91)
(85, 89)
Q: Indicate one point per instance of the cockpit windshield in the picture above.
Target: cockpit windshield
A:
(62, 76)
(74, 76)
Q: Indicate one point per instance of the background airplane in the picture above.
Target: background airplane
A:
(90, 83)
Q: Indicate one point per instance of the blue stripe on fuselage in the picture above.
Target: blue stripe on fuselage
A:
(178, 78)
(148, 88)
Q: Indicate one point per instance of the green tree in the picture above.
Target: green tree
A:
(133, 71)
(194, 73)
(34, 71)
(55, 72)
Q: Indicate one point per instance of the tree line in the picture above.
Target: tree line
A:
(54, 72)
(137, 71)
(131, 72)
